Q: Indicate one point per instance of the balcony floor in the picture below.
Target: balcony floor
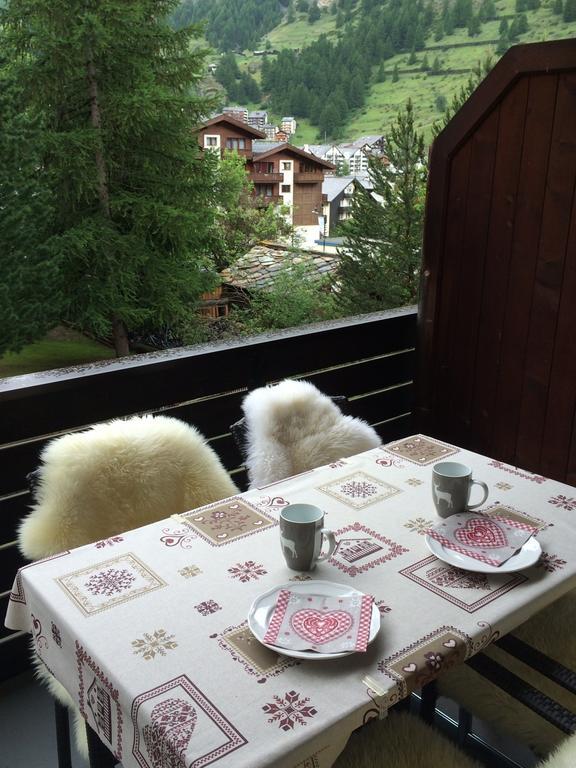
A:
(26, 708)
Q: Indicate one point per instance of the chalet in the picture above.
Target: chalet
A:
(226, 133)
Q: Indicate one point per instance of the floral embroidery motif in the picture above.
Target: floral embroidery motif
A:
(382, 607)
(228, 520)
(420, 450)
(181, 537)
(414, 482)
(248, 571)
(208, 607)
(108, 542)
(289, 711)
(110, 582)
(550, 562)
(154, 644)
(563, 502)
(56, 635)
(419, 525)
(504, 486)
(434, 661)
(189, 571)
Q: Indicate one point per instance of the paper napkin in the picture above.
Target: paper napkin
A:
(303, 622)
(492, 540)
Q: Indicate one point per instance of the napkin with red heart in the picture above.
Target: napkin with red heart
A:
(492, 540)
(308, 622)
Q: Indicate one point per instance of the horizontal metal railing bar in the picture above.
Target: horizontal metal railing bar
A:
(550, 668)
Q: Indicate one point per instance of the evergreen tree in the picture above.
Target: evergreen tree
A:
(412, 57)
(30, 286)
(302, 6)
(522, 24)
(425, 66)
(503, 28)
(380, 263)
(395, 76)
(290, 14)
(381, 76)
(436, 66)
(114, 88)
(521, 6)
(475, 26)
(314, 12)
(558, 8)
(569, 11)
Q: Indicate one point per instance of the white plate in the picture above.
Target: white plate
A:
(526, 557)
(263, 606)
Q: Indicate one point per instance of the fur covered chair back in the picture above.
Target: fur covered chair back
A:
(292, 427)
(118, 476)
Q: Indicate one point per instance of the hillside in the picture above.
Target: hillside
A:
(337, 75)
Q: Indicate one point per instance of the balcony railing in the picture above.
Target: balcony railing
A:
(308, 177)
(266, 178)
(369, 359)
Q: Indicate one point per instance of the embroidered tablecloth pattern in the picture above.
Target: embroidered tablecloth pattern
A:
(147, 630)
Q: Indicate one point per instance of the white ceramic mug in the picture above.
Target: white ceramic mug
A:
(302, 534)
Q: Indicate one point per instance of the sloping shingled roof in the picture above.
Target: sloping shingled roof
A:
(261, 265)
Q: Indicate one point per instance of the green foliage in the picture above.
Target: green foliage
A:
(314, 12)
(558, 7)
(239, 86)
(240, 222)
(231, 24)
(29, 288)
(441, 103)
(297, 297)
(380, 263)
(395, 75)
(569, 10)
(115, 90)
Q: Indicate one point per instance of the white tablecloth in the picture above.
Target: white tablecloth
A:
(147, 630)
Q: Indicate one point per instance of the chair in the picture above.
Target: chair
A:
(114, 477)
(292, 427)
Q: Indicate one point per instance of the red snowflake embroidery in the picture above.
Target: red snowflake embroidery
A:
(247, 571)
(358, 489)
(550, 562)
(563, 502)
(207, 607)
(289, 711)
(110, 582)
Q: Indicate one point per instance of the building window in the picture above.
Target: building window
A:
(286, 188)
(261, 167)
(235, 144)
(286, 165)
(210, 141)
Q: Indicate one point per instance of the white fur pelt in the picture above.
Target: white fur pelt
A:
(112, 478)
(401, 741)
(563, 757)
(118, 476)
(293, 427)
(550, 631)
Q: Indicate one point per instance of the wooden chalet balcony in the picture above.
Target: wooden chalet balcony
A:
(308, 177)
(369, 359)
(266, 178)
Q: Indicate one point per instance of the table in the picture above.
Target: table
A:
(147, 630)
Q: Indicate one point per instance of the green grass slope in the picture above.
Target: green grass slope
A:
(385, 99)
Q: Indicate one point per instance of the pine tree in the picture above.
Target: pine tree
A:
(29, 287)
(412, 57)
(314, 12)
(115, 88)
(395, 76)
(425, 66)
(475, 26)
(558, 8)
(380, 263)
(569, 11)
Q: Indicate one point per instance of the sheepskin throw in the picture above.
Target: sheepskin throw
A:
(401, 741)
(293, 427)
(118, 476)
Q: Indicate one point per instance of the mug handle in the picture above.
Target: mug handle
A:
(485, 487)
(331, 544)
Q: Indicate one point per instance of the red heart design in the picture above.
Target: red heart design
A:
(320, 627)
(484, 534)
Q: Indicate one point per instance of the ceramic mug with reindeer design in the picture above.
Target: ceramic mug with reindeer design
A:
(302, 534)
(451, 487)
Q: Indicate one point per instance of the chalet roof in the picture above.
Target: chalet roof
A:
(332, 186)
(262, 264)
(291, 149)
(320, 150)
(240, 126)
(259, 147)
